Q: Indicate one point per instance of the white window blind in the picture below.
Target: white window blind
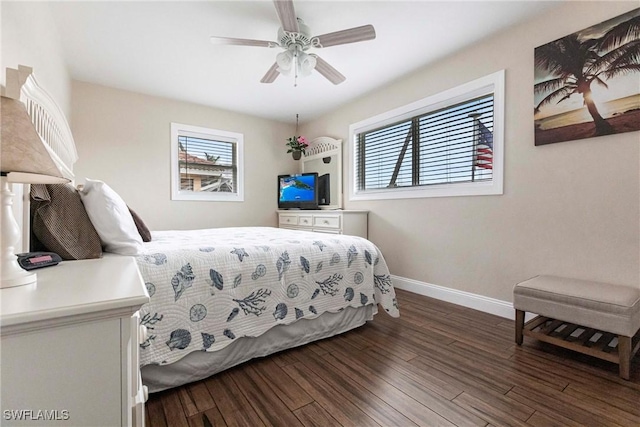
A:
(206, 165)
(438, 145)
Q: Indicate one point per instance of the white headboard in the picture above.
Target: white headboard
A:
(51, 125)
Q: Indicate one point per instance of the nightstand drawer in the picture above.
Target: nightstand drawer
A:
(286, 219)
(326, 221)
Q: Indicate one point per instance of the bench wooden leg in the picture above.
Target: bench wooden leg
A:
(519, 326)
(624, 354)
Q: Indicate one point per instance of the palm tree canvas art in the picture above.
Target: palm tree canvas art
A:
(587, 84)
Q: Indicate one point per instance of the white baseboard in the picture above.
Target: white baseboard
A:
(465, 299)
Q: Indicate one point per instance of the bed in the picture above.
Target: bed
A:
(219, 297)
(222, 296)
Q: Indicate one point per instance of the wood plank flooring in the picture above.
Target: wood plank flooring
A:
(437, 365)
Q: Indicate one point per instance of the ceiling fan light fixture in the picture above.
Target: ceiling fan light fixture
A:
(295, 37)
(306, 64)
(285, 62)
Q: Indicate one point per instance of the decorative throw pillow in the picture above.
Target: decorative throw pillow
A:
(143, 230)
(61, 224)
(111, 218)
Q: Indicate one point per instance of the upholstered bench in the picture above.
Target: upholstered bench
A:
(598, 319)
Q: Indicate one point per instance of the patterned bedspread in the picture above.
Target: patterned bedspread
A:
(209, 287)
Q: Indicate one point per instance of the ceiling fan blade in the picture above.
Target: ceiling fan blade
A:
(287, 15)
(352, 35)
(331, 74)
(271, 74)
(242, 42)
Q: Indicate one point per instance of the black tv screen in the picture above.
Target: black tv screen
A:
(298, 191)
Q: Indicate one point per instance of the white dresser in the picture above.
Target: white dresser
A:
(349, 222)
(70, 346)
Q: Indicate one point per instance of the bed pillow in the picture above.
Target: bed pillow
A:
(143, 230)
(61, 224)
(111, 218)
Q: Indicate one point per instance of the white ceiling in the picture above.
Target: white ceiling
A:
(162, 48)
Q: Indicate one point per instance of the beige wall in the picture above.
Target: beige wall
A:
(569, 209)
(30, 37)
(123, 138)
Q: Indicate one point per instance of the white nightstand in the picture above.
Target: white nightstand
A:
(70, 346)
(353, 223)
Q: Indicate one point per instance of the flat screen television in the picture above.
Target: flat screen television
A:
(298, 191)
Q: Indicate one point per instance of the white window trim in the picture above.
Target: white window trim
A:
(196, 131)
(493, 83)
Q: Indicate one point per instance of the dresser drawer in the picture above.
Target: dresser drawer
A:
(327, 230)
(326, 221)
(353, 223)
(288, 219)
(305, 220)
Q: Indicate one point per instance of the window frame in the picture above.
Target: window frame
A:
(493, 83)
(177, 130)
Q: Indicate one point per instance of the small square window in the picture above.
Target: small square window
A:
(206, 164)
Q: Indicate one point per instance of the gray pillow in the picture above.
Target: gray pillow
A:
(61, 223)
(143, 230)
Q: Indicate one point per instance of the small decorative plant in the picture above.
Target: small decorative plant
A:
(297, 143)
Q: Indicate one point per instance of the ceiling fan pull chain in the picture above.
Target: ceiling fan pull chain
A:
(295, 64)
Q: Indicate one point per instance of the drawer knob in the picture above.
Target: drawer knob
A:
(326, 222)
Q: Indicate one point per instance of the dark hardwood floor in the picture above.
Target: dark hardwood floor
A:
(438, 364)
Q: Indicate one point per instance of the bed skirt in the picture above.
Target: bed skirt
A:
(199, 365)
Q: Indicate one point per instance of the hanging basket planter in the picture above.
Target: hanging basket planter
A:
(297, 144)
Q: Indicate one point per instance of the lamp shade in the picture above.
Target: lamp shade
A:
(306, 64)
(285, 62)
(24, 153)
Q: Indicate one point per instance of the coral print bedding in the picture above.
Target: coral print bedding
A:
(210, 287)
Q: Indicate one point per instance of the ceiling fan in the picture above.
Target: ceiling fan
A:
(295, 38)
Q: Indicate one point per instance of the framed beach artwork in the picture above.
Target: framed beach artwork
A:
(587, 84)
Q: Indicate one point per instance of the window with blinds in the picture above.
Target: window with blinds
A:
(206, 164)
(450, 144)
